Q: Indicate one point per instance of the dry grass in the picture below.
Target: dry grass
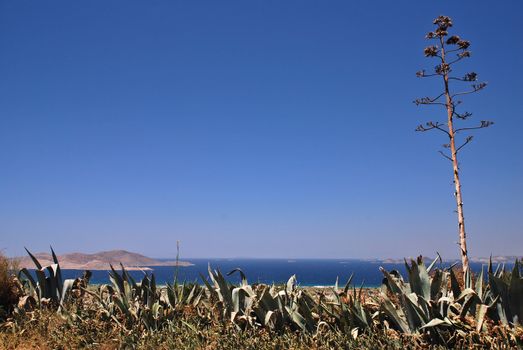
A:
(46, 329)
(10, 289)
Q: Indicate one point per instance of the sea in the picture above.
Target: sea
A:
(309, 272)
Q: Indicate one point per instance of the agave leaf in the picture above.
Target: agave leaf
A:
(413, 313)
(55, 259)
(291, 284)
(303, 301)
(211, 274)
(270, 319)
(296, 318)
(500, 269)
(191, 294)
(153, 283)
(468, 305)
(360, 291)
(122, 305)
(260, 312)
(479, 284)
(267, 300)
(68, 285)
(35, 260)
(445, 300)
(58, 272)
(221, 288)
(466, 292)
(426, 309)
(493, 302)
(358, 316)
(434, 323)
(25, 272)
(419, 279)
(396, 316)
(468, 278)
(171, 296)
(42, 286)
(407, 266)
(156, 310)
(480, 316)
(197, 299)
(242, 274)
(500, 289)
(515, 295)
(347, 285)
(235, 296)
(331, 311)
(207, 284)
(435, 285)
(180, 293)
(116, 279)
(471, 301)
(145, 292)
(452, 266)
(391, 285)
(438, 257)
(127, 277)
(454, 285)
(53, 282)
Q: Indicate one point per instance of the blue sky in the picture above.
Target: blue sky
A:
(251, 129)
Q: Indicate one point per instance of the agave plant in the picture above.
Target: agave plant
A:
(48, 286)
(425, 304)
(233, 303)
(179, 296)
(296, 307)
(348, 308)
(507, 288)
(245, 305)
(500, 299)
(136, 301)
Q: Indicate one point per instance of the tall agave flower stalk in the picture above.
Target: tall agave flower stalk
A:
(449, 51)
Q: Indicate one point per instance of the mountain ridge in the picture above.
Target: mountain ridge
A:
(99, 260)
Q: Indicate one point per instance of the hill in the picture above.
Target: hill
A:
(99, 261)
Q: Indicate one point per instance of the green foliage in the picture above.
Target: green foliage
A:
(426, 305)
(349, 310)
(429, 307)
(263, 306)
(49, 288)
(507, 288)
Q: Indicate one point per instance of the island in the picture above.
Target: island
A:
(99, 261)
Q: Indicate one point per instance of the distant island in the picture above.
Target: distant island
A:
(499, 259)
(99, 261)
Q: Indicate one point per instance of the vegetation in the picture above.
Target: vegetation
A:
(10, 289)
(431, 306)
(450, 51)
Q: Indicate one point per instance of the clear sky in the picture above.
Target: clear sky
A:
(251, 128)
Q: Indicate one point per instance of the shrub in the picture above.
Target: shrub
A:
(9, 287)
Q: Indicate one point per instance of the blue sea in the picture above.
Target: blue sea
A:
(309, 272)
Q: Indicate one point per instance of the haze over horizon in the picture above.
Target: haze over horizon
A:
(241, 132)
